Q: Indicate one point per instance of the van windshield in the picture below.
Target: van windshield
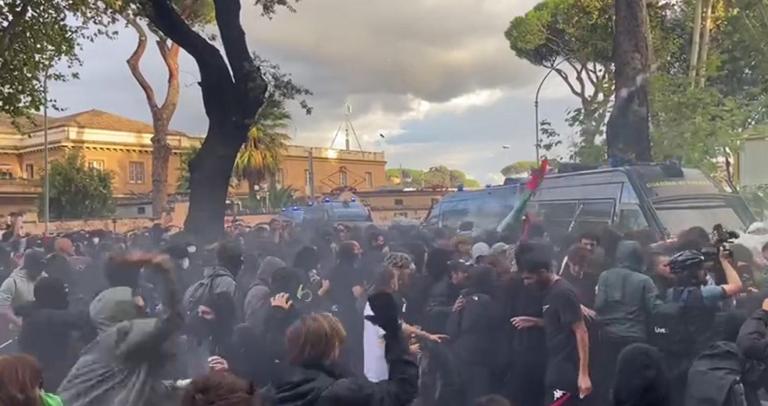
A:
(681, 214)
(349, 212)
(485, 211)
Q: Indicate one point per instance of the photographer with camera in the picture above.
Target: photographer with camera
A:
(684, 326)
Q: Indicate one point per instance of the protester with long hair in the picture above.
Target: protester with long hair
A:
(21, 383)
(219, 389)
(314, 343)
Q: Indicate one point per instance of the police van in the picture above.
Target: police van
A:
(665, 198)
(484, 207)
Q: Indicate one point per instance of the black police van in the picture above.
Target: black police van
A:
(665, 198)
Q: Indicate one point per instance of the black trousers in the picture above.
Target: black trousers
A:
(605, 355)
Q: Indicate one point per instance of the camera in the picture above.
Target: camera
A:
(721, 237)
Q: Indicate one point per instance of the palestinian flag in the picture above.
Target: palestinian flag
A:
(537, 176)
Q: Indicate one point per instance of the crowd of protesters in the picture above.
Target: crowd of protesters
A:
(332, 314)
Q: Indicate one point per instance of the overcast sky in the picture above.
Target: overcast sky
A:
(436, 77)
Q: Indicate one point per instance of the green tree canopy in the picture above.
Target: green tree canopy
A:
(262, 154)
(575, 34)
(409, 178)
(438, 178)
(519, 168)
(76, 191)
(35, 38)
(183, 181)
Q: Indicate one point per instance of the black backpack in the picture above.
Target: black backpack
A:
(671, 327)
(715, 377)
(200, 291)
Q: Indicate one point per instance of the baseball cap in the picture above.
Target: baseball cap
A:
(480, 249)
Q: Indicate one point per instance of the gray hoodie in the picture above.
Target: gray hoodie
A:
(257, 296)
(625, 296)
(124, 365)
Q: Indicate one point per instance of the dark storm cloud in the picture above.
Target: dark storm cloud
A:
(434, 50)
(377, 55)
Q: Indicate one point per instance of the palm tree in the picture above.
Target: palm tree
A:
(261, 155)
(186, 157)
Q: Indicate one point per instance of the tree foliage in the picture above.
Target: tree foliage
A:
(37, 36)
(439, 177)
(262, 154)
(77, 191)
(696, 123)
(519, 168)
(702, 122)
(196, 13)
(234, 88)
(182, 184)
(573, 38)
(407, 178)
(274, 197)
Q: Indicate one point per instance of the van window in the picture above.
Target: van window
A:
(631, 218)
(628, 194)
(593, 215)
(556, 216)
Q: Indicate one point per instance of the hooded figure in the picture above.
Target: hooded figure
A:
(640, 378)
(47, 330)
(126, 363)
(257, 296)
(626, 298)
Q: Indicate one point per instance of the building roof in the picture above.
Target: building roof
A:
(26, 124)
(93, 119)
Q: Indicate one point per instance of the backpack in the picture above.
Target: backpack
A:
(671, 329)
(715, 377)
(200, 291)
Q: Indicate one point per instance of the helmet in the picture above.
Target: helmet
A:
(685, 260)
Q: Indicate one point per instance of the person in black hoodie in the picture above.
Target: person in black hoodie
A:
(474, 327)
(48, 328)
(640, 378)
(752, 342)
(346, 286)
(445, 295)
(314, 342)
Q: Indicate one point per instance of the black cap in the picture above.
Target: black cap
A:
(177, 251)
(34, 260)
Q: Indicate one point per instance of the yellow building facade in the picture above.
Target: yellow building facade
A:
(123, 146)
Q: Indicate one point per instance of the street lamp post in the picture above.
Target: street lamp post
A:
(536, 106)
(47, 183)
(507, 147)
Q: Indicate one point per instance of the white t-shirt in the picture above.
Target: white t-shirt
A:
(375, 361)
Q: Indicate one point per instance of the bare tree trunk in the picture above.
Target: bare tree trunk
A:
(649, 33)
(628, 130)
(231, 100)
(701, 74)
(694, 57)
(161, 115)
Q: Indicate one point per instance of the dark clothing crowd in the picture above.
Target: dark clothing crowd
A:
(285, 314)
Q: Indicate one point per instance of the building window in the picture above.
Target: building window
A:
(343, 178)
(135, 172)
(6, 171)
(29, 171)
(96, 164)
(398, 202)
(141, 210)
(368, 179)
